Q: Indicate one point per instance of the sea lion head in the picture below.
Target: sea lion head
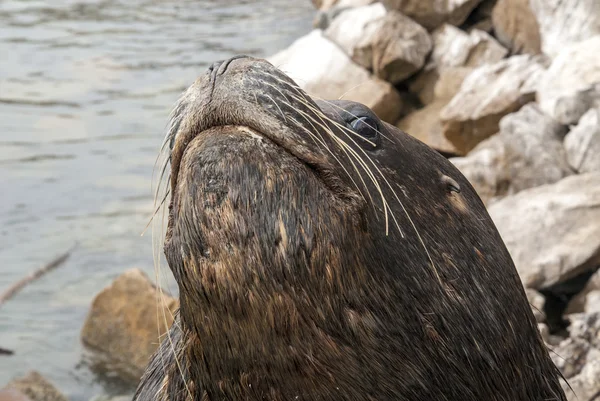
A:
(322, 253)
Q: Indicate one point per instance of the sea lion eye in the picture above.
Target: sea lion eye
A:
(451, 184)
(367, 128)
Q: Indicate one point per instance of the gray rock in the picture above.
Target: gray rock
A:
(586, 385)
(325, 71)
(124, 323)
(388, 43)
(571, 86)
(563, 23)
(526, 153)
(433, 13)
(570, 356)
(552, 231)
(489, 93)
(583, 143)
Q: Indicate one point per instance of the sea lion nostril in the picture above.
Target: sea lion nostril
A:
(215, 66)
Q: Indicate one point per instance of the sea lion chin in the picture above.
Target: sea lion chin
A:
(322, 254)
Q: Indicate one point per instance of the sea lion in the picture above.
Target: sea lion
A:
(322, 254)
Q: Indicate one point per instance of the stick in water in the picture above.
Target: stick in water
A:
(13, 289)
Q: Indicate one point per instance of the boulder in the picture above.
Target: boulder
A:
(10, 394)
(536, 300)
(433, 13)
(583, 143)
(454, 48)
(526, 153)
(424, 124)
(563, 23)
(322, 69)
(552, 231)
(489, 93)
(449, 82)
(571, 85)
(125, 321)
(389, 44)
(586, 386)
(325, 16)
(324, 4)
(31, 387)
(516, 26)
(578, 356)
(579, 303)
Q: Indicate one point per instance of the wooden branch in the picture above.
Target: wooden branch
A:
(13, 289)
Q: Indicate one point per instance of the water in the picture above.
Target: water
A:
(85, 91)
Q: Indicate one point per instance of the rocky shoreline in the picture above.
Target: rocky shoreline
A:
(509, 91)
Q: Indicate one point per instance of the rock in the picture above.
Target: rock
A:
(433, 13)
(322, 69)
(570, 356)
(552, 231)
(586, 386)
(32, 387)
(388, 43)
(516, 26)
(424, 124)
(10, 394)
(544, 332)
(324, 4)
(526, 153)
(592, 302)
(579, 302)
(571, 86)
(324, 17)
(112, 398)
(583, 143)
(454, 48)
(449, 82)
(486, 95)
(485, 168)
(536, 300)
(124, 322)
(563, 23)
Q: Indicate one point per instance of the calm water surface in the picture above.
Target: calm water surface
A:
(85, 91)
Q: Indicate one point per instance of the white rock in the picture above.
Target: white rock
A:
(586, 386)
(486, 95)
(454, 48)
(388, 43)
(324, 17)
(526, 153)
(552, 231)
(563, 23)
(324, 71)
(571, 85)
(583, 143)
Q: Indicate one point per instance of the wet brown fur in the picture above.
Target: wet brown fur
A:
(291, 285)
